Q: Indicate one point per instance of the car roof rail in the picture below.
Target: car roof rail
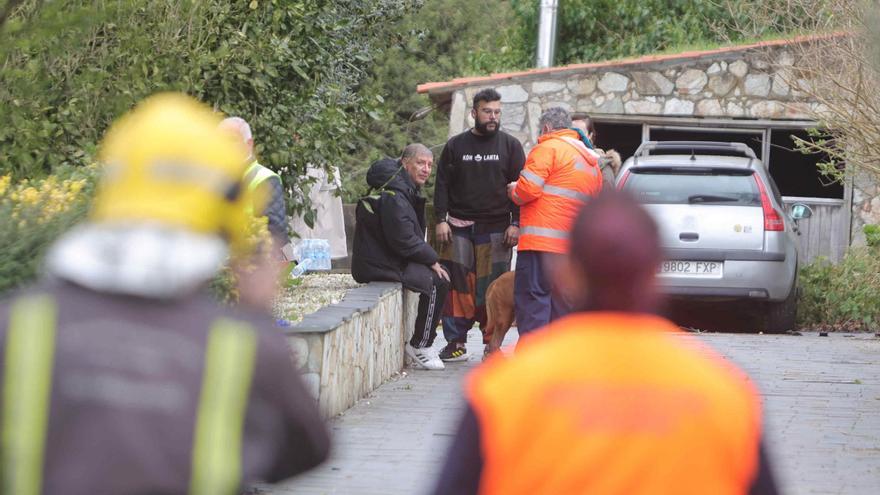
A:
(694, 147)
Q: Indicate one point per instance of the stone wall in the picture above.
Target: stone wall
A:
(748, 84)
(865, 206)
(346, 350)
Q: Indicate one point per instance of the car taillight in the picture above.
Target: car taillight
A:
(773, 221)
(623, 180)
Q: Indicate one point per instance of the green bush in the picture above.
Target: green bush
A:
(292, 68)
(843, 296)
(872, 235)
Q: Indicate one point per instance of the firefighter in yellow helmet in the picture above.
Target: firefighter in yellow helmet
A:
(118, 375)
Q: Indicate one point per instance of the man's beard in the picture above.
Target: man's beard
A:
(483, 129)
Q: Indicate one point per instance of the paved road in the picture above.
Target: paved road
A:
(822, 402)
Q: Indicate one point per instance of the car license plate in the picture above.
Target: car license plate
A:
(696, 268)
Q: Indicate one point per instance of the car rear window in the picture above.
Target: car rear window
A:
(671, 186)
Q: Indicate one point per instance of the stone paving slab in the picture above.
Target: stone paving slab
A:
(822, 412)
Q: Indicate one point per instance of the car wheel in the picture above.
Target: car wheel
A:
(781, 316)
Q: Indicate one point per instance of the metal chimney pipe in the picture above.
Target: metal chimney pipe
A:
(547, 33)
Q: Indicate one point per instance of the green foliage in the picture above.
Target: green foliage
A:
(872, 235)
(292, 68)
(844, 296)
(591, 30)
(224, 286)
(287, 281)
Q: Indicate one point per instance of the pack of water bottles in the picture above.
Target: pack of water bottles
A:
(317, 251)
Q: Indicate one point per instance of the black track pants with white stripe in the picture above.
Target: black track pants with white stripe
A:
(428, 316)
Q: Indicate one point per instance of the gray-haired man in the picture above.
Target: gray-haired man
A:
(260, 177)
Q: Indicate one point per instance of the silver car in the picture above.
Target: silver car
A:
(722, 225)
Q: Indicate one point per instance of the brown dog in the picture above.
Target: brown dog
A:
(499, 310)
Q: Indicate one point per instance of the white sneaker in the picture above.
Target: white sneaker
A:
(424, 358)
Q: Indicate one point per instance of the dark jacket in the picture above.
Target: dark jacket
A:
(389, 236)
(127, 394)
(276, 210)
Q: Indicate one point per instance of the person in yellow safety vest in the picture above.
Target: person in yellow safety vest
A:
(612, 399)
(119, 374)
(262, 183)
(258, 278)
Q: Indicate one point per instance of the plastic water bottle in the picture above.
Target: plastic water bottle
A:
(322, 254)
(301, 268)
(316, 250)
(307, 251)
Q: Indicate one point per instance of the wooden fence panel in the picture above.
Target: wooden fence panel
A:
(826, 233)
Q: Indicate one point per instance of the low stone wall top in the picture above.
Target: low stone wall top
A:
(346, 350)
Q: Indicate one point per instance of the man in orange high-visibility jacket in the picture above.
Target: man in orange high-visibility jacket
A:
(610, 400)
(560, 174)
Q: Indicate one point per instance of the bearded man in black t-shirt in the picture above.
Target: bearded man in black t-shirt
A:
(477, 225)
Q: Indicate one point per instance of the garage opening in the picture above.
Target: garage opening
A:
(753, 138)
(625, 138)
(795, 173)
(798, 174)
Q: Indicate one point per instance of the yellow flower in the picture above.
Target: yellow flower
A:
(40, 201)
(4, 183)
(30, 196)
(77, 186)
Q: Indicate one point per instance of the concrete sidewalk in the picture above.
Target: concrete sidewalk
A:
(822, 405)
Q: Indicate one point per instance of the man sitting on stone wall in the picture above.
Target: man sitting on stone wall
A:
(389, 243)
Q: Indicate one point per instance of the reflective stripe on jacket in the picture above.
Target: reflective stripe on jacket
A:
(559, 175)
(606, 403)
(267, 201)
(256, 174)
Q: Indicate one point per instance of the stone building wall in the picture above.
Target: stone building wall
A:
(751, 84)
(865, 206)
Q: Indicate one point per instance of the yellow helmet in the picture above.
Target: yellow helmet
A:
(167, 162)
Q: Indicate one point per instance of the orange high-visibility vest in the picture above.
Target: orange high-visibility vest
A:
(612, 403)
(559, 176)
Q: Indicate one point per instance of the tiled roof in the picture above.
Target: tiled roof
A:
(449, 86)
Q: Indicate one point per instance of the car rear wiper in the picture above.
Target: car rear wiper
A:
(709, 198)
